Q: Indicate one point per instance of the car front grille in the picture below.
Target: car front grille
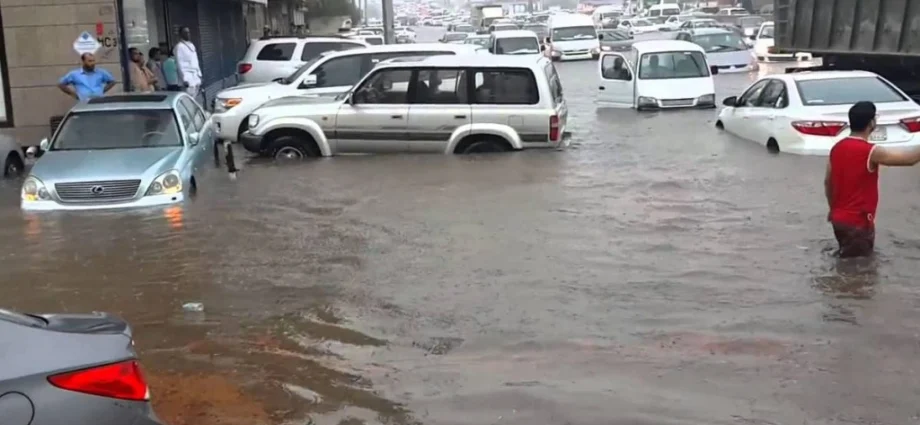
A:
(670, 103)
(733, 66)
(97, 191)
(575, 52)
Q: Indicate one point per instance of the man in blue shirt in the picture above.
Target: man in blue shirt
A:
(87, 82)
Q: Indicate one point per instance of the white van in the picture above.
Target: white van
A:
(659, 74)
(572, 37)
(663, 10)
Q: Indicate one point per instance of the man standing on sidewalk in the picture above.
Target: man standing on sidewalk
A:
(187, 58)
(851, 181)
(87, 82)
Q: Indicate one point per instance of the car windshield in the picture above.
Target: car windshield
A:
(455, 36)
(517, 46)
(724, 42)
(574, 33)
(641, 23)
(118, 129)
(750, 22)
(290, 79)
(479, 41)
(615, 35)
(705, 23)
(374, 41)
(667, 65)
(828, 92)
(767, 32)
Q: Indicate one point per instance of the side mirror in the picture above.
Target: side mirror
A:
(600, 36)
(44, 144)
(193, 139)
(714, 70)
(730, 101)
(310, 80)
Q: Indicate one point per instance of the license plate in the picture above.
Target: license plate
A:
(879, 135)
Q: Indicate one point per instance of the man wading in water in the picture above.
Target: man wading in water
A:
(851, 182)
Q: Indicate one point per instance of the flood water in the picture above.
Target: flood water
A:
(658, 272)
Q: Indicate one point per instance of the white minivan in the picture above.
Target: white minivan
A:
(572, 37)
(658, 74)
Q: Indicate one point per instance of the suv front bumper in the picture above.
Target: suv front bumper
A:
(251, 142)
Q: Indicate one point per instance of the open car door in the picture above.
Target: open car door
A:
(617, 85)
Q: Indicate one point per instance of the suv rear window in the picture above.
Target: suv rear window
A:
(506, 87)
(312, 50)
(828, 92)
(277, 52)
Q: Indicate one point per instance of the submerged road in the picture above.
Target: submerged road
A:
(658, 272)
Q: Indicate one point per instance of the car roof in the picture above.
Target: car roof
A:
(649, 46)
(122, 101)
(514, 34)
(473, 61)
(826, 75)
(306, 39)
(709, 31)
(414, 47)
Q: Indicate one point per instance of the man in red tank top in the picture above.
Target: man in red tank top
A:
(851, 181)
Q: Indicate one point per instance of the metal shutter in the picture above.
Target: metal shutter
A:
(182, 13)
(209, 49)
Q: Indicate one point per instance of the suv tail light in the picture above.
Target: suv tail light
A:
(244, 68)
(819, 128)
(122, 380)
(554, 128)
(911, 124)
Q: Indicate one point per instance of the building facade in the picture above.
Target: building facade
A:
(37, 38)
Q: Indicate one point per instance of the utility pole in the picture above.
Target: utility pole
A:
(388, 36)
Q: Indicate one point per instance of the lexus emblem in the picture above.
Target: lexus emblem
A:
(97, 190)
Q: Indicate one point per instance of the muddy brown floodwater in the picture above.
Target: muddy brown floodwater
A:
(658, 272)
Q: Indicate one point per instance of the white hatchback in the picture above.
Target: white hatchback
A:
(807, 112)
(270, 58)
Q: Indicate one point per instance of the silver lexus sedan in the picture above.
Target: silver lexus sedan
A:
(129, 150)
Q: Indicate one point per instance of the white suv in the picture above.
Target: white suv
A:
(269, 58)
(446, 104)
(329, 74)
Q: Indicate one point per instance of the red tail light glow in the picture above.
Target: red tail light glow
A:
(554, 128)
(244, 68)
(911, 124)
(819, 128)
(122, 380)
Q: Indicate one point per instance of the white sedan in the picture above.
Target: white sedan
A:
(806, 112)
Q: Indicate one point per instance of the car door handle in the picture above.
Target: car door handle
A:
(460, 117)
(602, 88)
(396, 117)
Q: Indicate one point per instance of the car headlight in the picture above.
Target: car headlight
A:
(647, 101)
(34, 190)
(707, 99)
(167, 183)
(253, 121)
(225, 104)
(606, 48)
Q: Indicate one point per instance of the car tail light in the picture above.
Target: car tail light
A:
(244, 68)
(122, 380)
(819, 128)
(911, 124)
(554, 128)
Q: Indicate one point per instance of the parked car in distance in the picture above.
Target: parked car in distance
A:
(519, 42)
(71, 369)
(764, 50)
(330, 74)
(454, 37)
(540, 29)
(695, 23)
(270, 58)
(443, 104)
(371, 40)
(132, 150)
(572, 37)
(496, 27)
(615, 40)
(806, 112)
(13, 159)
(656, 75)
(725, 49)
(481, 40)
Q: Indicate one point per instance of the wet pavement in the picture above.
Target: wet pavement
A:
(658, 272)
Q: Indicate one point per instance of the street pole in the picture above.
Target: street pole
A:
(388, 36)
